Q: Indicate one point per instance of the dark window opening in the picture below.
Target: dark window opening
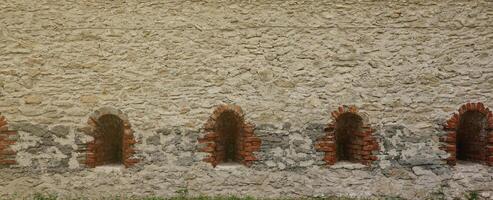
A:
(347, 146)
(471, 136)
(228, 126)
(109, 140)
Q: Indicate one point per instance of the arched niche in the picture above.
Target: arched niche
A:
(348, 138)
(228, 138)
(469, 135)
(113, 141)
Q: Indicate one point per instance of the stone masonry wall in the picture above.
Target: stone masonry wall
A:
(407, 66)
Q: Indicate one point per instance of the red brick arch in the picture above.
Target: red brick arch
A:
(480, 146)
(360, 142)
(7, 138)
(96, 148)
(214, 139)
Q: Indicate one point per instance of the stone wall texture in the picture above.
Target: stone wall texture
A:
(407, 66)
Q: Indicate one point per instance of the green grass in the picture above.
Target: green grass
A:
(473, 195)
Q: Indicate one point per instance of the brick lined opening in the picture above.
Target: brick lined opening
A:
(348, 138)
(229, 138)
(113, 139)
(110, 148)
(347, 125)
(469, 135)
(7, 139)
(228, 126)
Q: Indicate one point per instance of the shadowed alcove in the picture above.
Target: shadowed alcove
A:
(113, 140)
(228, 138)
(228, 126)
(348, 137)
(471, 136)
(110, 139)
(346, 126)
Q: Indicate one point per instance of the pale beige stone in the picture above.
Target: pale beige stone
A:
(33, 99)
(90, 99)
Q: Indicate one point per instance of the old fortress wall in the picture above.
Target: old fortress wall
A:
(260, 98)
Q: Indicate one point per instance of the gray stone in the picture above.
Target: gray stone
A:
(154, 140)
(164, 131)
(265, 127)
(286, 126)
(66, 149)
(316, 127)
(32, 111)
(60, 131)
(185, 161)
(419, 171)
(36, 130)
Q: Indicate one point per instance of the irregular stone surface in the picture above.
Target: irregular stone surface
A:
(168, 64)
(89, 99)
(60, 130)
(33, 99)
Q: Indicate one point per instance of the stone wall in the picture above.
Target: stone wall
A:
(407, 66)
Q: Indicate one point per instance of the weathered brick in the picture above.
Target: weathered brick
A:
(245, 144)
(474, 148)
(99, 151)
(7, 139)
(361, 146)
